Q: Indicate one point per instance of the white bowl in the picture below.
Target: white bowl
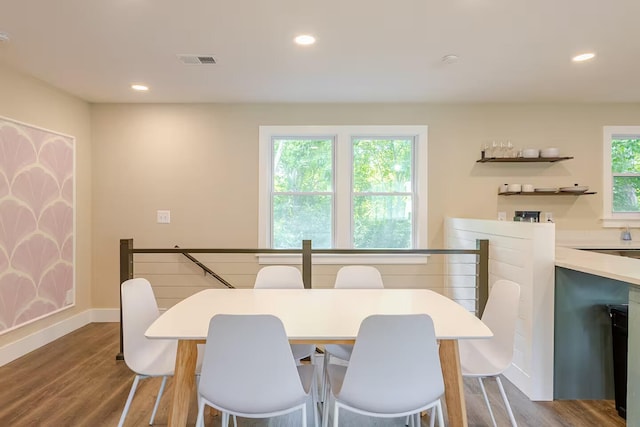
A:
(575, 189)
(550, 152)
(530, 153)
(514, 188)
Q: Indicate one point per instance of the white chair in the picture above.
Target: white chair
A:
(147, 358)
(358, 277)
(350, 277)
(236, 382)
(491, 357)
(394, 371)
(284, 277)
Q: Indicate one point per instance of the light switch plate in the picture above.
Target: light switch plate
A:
(502, 216)
(548, 217)
(164, 217)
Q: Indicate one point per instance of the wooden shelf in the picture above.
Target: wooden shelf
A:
(546, 193)
(522, 159)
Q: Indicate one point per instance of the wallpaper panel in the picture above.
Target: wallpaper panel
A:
(36, 223)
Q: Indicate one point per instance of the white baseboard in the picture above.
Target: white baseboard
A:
(19, 348)
(105, 315)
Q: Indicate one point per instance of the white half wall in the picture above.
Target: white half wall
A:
(523, 253)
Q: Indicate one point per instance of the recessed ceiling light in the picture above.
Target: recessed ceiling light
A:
(305, 40)
(583, 57)
(4, 37)
(139, 87)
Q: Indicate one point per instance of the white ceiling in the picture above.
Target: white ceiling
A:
(367, 50)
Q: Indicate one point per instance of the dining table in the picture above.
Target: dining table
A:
(316, 316)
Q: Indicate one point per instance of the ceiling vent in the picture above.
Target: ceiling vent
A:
(197, 59)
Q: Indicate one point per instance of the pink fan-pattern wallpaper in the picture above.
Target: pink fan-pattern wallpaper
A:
(36, 223)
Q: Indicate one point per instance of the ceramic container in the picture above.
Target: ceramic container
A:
(530, 153)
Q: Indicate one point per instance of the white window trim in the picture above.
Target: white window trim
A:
(609, 218)
(343, 165)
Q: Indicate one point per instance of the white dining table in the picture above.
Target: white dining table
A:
(316, 316)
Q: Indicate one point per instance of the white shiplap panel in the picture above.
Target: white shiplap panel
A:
(524, 253)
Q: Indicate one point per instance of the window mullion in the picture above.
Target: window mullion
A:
(343, 210)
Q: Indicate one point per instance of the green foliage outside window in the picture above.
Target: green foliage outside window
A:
(303, 197)
(382, 166)
(300, 167)
(625, 167)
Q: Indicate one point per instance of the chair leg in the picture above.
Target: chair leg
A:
(304, 415)
(432, 416)
(506, 403)
(155, 407)
(134, 386)
(486, 400)
(326, 405)
(440, 414)
(335, 415)
(407, 420)
(325, 377)
(200, 419)
(314, 403)
(235, 421)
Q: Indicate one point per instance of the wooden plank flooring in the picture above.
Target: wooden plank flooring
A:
(76, 381)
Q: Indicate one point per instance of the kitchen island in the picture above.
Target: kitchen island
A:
(582, 278)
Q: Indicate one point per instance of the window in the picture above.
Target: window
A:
(621, 180)
(343, 186)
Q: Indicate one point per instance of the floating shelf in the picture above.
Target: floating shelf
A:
(522, 159)
(546, 193)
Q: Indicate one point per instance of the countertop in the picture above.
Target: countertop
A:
(613, 267)
(616, 244)
(598, 239)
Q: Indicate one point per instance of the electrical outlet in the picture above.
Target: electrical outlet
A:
(164, 217)
(548, 217)
(502, 216)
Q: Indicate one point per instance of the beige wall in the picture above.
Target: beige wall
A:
(31, 101)
(201, 162)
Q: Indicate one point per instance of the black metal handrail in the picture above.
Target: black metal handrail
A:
(207, 269)
(482, 266)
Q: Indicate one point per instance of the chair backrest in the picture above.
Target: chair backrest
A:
(236, 378)
(279, 277)
(394, 366)
(139, 310)
(358, 276)
(500, 315)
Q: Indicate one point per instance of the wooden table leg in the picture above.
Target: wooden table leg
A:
(453, 385)
(183, 382)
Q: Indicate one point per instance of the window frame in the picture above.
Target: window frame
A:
(343, 189)
(612, 219)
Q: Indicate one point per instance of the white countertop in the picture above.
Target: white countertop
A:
(597, 239)
(600, 244)
(614, 267)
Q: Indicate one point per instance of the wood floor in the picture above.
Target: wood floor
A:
(76, 381)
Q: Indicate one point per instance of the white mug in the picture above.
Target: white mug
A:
(527, 188)
(514, 188)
